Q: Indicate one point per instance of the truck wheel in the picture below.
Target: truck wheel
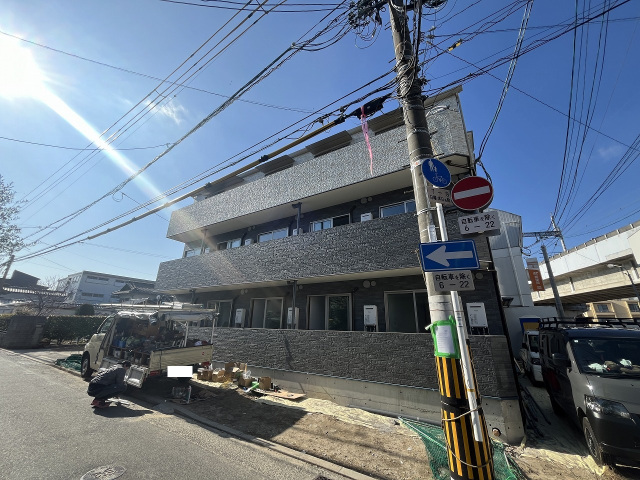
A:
(85, 370)
(593, 445)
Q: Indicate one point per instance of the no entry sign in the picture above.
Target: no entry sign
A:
(472, 193)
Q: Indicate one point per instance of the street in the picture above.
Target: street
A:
(51, 432)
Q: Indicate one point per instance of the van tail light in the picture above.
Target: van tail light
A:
(155, 373)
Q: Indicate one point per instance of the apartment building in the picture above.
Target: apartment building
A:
(96, 287)
(328, 234)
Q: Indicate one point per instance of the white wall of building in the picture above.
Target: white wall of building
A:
(94, 287)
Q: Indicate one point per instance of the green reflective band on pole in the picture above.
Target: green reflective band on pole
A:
(445, 338)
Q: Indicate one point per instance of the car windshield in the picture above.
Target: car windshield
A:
(534, 343)
(607, 356)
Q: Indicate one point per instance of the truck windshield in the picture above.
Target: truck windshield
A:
(607, 356)
(534, 344)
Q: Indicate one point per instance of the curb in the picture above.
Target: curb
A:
(305, 457)
(275, 447)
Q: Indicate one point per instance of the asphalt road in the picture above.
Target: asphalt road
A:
(49, 431)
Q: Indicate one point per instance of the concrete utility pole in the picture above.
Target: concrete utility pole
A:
(6, 271)
(552, 281)
(468, 448)
(555, 227)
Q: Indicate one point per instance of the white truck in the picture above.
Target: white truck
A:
(151, 341)
(530, 355)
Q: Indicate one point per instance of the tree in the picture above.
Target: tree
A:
(85, 309)
(10, 239)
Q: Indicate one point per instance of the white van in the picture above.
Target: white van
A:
(151, 341)
(530, 354)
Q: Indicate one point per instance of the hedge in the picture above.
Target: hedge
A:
(71, 327)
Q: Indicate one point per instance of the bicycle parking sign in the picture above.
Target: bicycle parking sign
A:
(436, 172)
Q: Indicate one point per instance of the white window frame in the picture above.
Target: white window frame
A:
(264, 234)
(326, 310)
(264, 316)
(415, 306)
(230, 244)
(634, 304)
(608, 306)
(404, 203)
(330, 219)
(192, 252)
(210, 305)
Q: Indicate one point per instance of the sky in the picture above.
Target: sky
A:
(71, 70)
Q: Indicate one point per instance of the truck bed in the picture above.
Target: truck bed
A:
(161, 359)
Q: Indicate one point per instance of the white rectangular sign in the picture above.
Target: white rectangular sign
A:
(439, 195)
(479, 222)
(454, 281)
(477, 315)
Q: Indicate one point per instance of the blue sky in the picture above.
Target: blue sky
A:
(76, 98)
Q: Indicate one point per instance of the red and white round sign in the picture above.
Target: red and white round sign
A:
(472, 193)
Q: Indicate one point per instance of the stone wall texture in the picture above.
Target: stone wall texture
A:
(391, 358)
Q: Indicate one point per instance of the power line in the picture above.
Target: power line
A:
(79, 149)
(151, 77)
(222, 7)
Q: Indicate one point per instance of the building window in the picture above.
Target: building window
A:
(274, 235)
(190, 253)
(329, 312)
(634, 307)
(397, 208)
(603, 308)
(406, 311)
(266, 312)
(235, 243)
(329, 223)
(223, 309)
(94, 279)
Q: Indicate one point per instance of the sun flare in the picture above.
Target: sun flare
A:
(19, 73)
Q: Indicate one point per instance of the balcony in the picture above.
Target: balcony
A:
(386, 246)
(331, 171)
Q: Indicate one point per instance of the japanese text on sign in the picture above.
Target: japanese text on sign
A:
(453, 281)
(479, 222)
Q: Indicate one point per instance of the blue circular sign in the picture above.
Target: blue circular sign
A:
(436, 172)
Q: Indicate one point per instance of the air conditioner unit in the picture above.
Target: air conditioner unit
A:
(366, 217)
(239, 318)
(248, 241)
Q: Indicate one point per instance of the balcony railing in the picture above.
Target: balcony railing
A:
(378, 245)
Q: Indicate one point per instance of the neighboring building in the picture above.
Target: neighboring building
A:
(613, 309)
(320, 231)
(506, 248)
(602, 269)
(133, 293)
(22, 291)
(95, 287)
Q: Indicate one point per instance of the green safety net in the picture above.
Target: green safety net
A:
(432, 436)
(72, 362)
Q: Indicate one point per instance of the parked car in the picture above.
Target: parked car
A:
(530, 355)
(592, 373)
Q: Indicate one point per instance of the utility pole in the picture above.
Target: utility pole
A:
(6, 271)
(541, 236)
(552, 281)
(555, 227)
(468, 445)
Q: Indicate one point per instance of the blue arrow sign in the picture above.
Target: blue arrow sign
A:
(457, 255)
(436, 172)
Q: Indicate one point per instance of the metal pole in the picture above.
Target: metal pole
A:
(552, 280)
(635, 289)
(467, 458)
(293, 304)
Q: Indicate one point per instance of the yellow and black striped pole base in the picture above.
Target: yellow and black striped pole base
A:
(468, 458)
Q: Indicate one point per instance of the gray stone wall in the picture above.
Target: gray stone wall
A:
(23, 332)
(392, 358)
(377, 245)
